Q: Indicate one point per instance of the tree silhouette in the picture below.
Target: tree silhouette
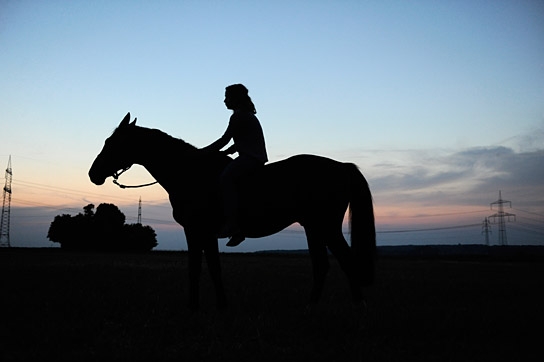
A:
(62, 231)
(103, 230)
(108, 223)
(138, 237)
(88, 210)
(109, 216)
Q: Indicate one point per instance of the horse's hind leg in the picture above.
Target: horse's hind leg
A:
(343, 253)
(320, 262)
(211, 253)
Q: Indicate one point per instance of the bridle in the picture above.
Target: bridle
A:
(120, 172)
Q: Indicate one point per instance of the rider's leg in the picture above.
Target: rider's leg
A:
(230, 182)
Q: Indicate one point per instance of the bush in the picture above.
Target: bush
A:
(104, 230)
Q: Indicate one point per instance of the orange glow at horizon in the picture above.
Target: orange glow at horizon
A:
(31, 194)
(413, 215)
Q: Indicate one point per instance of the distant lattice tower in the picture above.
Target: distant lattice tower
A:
(501, 215)
(139, 222)
(6, 206)
(486, 230)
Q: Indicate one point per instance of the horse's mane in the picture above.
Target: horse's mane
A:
(153, 136)
(161, 136)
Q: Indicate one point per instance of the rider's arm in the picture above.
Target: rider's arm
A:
(220, 143)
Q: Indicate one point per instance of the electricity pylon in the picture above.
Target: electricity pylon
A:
(486, 229)
(6, 208)
(501, 215)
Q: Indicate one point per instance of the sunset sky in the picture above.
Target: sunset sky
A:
(440, 103)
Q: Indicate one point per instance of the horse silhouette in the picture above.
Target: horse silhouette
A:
(311, 190)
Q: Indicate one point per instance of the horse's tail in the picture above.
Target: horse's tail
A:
(362, 228)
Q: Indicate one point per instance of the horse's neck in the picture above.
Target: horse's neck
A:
(165, 157)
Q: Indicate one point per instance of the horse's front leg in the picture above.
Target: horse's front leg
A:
(195, 268)
(211, 251)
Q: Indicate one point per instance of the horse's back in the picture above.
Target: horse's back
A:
(309, 173)
(296, 189)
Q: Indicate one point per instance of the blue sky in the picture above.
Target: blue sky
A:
(440, 103)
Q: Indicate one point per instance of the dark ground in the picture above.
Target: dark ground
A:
(64, 306)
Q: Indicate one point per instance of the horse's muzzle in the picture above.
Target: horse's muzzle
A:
(96, 180)
(96, 177)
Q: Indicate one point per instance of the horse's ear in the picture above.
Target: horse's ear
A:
(125, 121)
(133, 123)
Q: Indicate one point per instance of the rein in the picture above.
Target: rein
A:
(119, 173)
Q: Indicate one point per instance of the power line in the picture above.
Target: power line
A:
(168, 222)
(528, 212)
(448, 213)
(76, 210)
(66, 190)
(154, 221)
(427, 229)
(42, 205)
(526, 228)
(540, 228)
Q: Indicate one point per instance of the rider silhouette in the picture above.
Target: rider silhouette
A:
(245, 130)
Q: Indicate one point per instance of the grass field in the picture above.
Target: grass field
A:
(64, 306)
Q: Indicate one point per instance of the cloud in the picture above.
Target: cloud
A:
(458, 178)
(530, 141)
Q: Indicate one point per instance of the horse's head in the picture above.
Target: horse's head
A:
(115, 154)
